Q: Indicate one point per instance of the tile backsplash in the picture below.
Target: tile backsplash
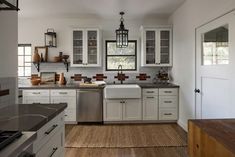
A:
(8, 83)
(91, 72)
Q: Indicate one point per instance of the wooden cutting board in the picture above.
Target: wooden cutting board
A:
(88, 85)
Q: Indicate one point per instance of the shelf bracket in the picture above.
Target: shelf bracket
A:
(66, 66)
(37, 66)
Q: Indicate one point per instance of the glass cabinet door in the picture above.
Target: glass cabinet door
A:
(165, 46)
(150, 47)
(78, 47)
(92, 47)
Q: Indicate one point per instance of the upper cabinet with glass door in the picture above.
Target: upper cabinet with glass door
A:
(156, 47)
(86, 48)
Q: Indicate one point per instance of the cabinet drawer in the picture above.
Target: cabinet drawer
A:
(63, 93)
(150, 91)
(47, 131)
(168, 101)
(168, 91)
(168, 114)
(70, 115)
(36, 92)
(54, 147)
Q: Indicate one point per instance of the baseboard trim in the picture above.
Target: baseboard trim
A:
(183, 125)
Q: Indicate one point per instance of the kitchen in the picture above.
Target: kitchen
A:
(79, 77)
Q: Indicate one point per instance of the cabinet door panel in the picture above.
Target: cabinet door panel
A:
(150, 46)
(132, 109)
(150, 108)
(78, 47)
(113, 110)
(92, 47)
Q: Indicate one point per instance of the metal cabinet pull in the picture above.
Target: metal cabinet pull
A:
(167, 114)
(150, 97)
(63, 93)
(150, 92)
(167, 91)
(168, 102)
(36, 93)
(53, 151)
(51, 129)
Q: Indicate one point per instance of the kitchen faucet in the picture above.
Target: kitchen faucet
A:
(120, 74)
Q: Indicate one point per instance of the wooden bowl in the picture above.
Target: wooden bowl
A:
(35, 82)
(57, 59)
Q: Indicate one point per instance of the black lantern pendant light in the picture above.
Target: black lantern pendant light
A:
(9, 5)
(122, 34)
(50, 38)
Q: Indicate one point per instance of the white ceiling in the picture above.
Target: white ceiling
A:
(97, 8)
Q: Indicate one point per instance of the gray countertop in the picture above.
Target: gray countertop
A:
(28, 117)
(77, 86)
(19, 144)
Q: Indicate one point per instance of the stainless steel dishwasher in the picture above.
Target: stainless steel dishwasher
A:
(90, 105)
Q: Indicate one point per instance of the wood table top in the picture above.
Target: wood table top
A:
(223, 130)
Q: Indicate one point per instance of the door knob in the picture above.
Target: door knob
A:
(197, 91)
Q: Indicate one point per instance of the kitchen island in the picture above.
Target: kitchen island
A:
(42, 122)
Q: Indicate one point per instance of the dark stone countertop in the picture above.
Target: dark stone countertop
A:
(28, 117)
(56, 86)
(152, 85)
(76, 86)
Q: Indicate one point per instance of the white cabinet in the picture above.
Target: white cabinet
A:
(36, 96)
(86, 48)
(113, 110)
(156, 46)
(122, 110)
(168, 104)
(69, 97)
(51, 138)
(150, 104)
(132, 109)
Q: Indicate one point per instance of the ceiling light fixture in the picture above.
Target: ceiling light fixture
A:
(122, 34)
(9, 5)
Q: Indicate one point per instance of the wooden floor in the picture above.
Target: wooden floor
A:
(158, 151)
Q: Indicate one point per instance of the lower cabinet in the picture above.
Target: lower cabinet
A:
(50, 138)
(36, 96)
(113, 110)
(150, 107)
(122, 110)
(69, 97)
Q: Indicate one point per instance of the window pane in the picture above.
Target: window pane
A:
(20, 50)
(216, 46)
(128, 63)
(113, 50)
(27, 71)
(20, 71)
(27, 59)
(27, 50)
(20, 60)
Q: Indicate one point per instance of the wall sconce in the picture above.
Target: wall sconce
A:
(50, 38)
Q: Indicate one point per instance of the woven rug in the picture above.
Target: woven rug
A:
(124, 136)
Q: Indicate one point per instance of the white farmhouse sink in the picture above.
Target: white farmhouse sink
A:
(122, 91)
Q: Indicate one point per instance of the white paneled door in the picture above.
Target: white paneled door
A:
(215, 68)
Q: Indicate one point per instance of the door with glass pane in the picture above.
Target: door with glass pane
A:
(92, 47)
(215, 62)
(78, 47)
(165, 46)
(150, 47)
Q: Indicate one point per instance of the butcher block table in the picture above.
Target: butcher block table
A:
(211, 138)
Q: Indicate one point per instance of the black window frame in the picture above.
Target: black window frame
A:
(24, 45)
(106, 56)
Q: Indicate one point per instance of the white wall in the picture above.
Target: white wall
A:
(189, 16)
(8, 43)
(32, 31)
